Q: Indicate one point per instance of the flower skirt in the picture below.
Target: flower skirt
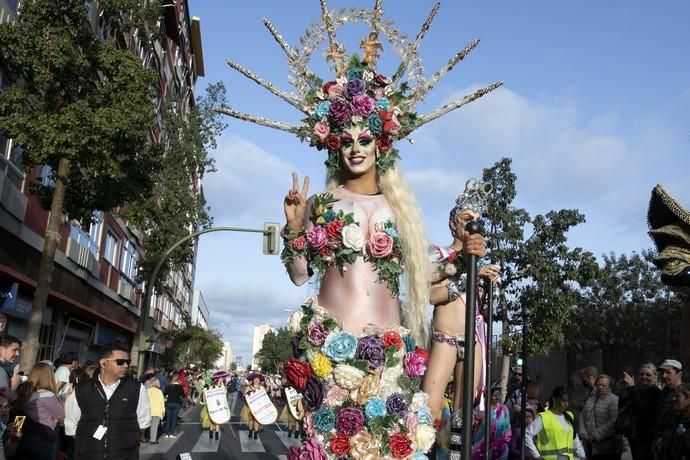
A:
(361, 393)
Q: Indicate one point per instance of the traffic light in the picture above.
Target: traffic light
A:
(271, 238)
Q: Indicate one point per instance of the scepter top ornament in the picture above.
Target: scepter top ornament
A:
(474, 198)
(358, 94)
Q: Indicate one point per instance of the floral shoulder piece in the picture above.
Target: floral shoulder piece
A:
(384, 251)
(334, 240)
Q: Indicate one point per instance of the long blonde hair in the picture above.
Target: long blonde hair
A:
(408, 220)
(41, 377)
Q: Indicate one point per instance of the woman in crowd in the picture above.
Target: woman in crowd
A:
(637, 411)
(516, 436)
(256, 382)
(554, 431)
(157, 401)
(598, 421)
(675, 443)
(218, 382)
(37, 399)
(499, 431)
(174, 398)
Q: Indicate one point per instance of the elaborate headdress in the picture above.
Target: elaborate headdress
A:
(475, 197)
(358, 94)
(669, 227)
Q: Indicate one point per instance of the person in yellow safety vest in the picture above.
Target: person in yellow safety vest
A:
(554, 431)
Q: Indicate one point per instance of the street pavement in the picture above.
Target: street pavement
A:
(234, 441)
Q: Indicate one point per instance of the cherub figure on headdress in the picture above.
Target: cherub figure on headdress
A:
(371, 45)
(336, 54)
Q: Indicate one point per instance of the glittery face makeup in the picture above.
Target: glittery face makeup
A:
(357, 150)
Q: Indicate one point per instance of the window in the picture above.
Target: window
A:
(95, 227)
(111, 247)
(82, 239)
(130, 258)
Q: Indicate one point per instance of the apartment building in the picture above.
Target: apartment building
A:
(95, 298)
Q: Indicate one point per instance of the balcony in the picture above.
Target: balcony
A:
(127, 290)
(11, 197)
(82, 250)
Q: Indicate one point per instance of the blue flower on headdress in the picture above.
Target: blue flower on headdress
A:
(322, 109)
(329, 216)
(324, 420)
(375, 407)
(409, 343)
(375, 124)
(383, 103)
(353, 73)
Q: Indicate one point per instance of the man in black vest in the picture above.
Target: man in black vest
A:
(107, 412)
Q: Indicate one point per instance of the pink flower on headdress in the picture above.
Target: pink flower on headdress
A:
(335, 91)
(363, 105)
(378, 93)
(322, 130)
(317, 237)
(380, 245)
(340, 111)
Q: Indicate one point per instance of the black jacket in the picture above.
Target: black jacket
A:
(118, 414)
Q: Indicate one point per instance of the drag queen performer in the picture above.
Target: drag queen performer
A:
(356, 362)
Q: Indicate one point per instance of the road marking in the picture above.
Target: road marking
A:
(250, 444)
(287, 442)
(164, 444)
(204, 444)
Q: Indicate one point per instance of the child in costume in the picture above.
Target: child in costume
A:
(206, 421)
(356, 361)
(256, 381)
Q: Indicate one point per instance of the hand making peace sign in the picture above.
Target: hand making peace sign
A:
(295, 204)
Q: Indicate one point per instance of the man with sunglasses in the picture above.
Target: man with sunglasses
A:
(107, 412)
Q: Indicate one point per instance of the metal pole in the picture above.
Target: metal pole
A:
(525, 374)
(472, 227)
(143, 326)
(487, 399)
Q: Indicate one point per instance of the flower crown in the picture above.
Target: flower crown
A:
(359, 95)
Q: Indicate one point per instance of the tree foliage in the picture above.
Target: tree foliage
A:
(80, 98)
(275, 350)
(178, 207)
(626, 307)
(191, 345)
(539, 271)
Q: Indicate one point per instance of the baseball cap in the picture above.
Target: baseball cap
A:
(671, 363)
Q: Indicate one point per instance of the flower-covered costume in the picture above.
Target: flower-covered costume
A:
(362, 394)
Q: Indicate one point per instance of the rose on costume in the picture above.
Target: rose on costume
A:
(336, 396)
(322, 130)
(334, 229)
(380, 245)
(340, 346)
(419, 400)
(384, 142)
(340, 444)
(395, 404)
(335, 91)
(349, 421)
(340, 111)
(400, 445)
(375, 407)
(317, 237)
(363, 446)
(312, 449)
(317, 333)
(322, 109)
(353, 237)
(297, 373)
(293, 453)
(299, 243)
(424, 416)
(324, 420)
(362, 105)
(411, 423)
(424, 437)
(422, 353)
(375, 124)
(368, 388)
(321, 365)
(313, 394)
(415, 365)
(333, 143)
(354, 87)
(372, 349)
(392, 339)
(348, 377)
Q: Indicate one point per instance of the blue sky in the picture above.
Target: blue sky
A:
(594, 112)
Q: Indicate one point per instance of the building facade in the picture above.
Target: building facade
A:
(226, 359)
(95, 298)
(260, 332)
(200, 312)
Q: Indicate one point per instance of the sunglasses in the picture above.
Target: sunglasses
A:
(120, 361)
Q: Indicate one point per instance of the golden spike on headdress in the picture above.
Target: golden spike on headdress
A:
(424, 119)
(330, 30)
(421, 89)
(427, 23)
(258, 120)
(279, 38)
(289, 98)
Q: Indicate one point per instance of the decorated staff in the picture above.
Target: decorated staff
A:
(356, 359)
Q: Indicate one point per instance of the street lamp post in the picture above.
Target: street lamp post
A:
(270, 246)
